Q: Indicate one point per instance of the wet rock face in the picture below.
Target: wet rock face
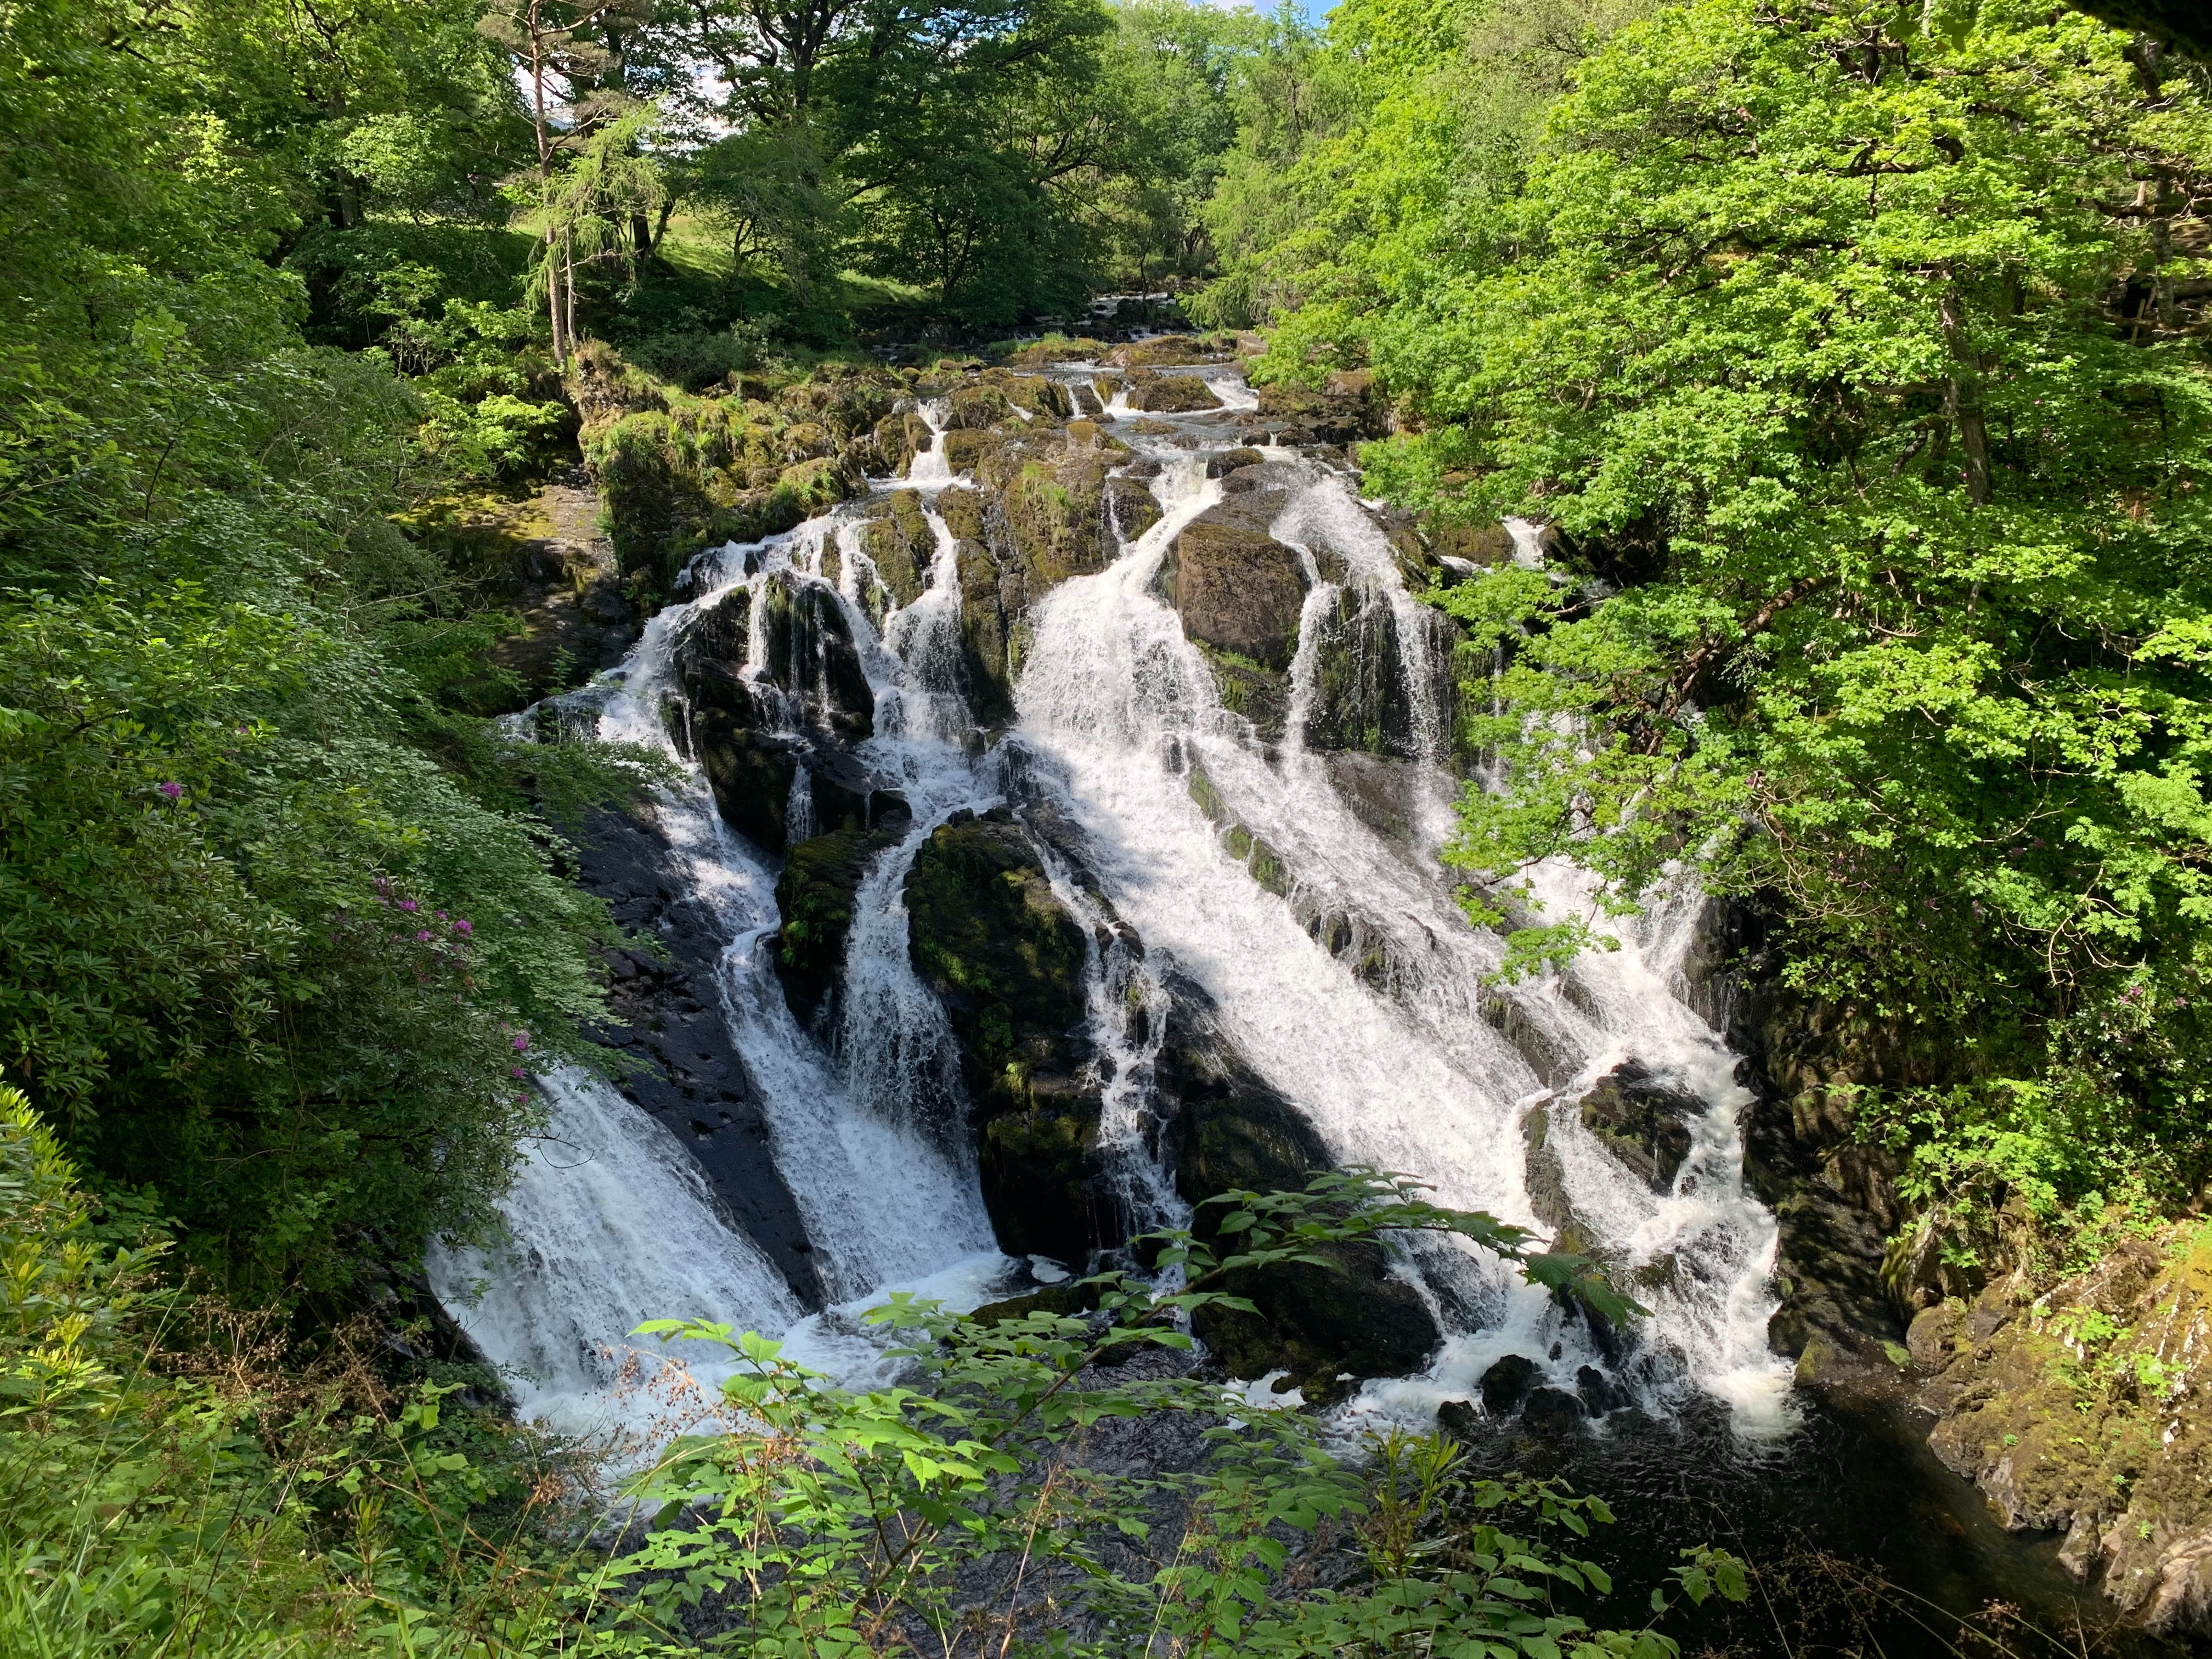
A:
(814, 896)
(899, 545)
(1361, 699)
(1641, 1122)
(2081, 1410)
(753, 736)
(667, 1024)
(1233, 1131)
(1006, 959)
(1235, 587)
(1507, 1383)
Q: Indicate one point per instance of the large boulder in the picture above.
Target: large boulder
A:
(1235, 587)
(1008, 960)
(1169, 394)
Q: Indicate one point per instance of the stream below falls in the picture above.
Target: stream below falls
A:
(1230, 860)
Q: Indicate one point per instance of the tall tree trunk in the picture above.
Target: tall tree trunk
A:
(1962, 397)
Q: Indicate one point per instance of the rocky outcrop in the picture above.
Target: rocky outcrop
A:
(1641, 1121)
(1345, 409)
(1006, 959)
(679, 472)
(666, 1026)
(2084, 1410)
(1236, 588)
(545, 561)
(755, 734)
(1329, 1327)
(1364, 698)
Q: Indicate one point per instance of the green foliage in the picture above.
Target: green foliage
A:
(957, 1507)
(257, 951)
(1877, 431)
(283, 1514)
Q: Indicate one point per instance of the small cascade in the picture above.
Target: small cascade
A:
(1127, 1009)
(931, 468)
(609, 1224)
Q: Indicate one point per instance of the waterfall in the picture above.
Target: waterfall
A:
(1296, 884)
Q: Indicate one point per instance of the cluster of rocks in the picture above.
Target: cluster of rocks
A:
(2081, 1411)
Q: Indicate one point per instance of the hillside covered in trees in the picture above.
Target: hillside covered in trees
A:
(1778, 433)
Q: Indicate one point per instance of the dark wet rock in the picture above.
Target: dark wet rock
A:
(666, 1021)
(1229, 460)
(1552, 1411)
(1642, 1122)
(1346, 409)
(1514, 1022)
(1235, 1132)
(1236, 588)
(1130, 508)
(752, 738)
(1006, 959)
(814, 896)
(811, 656)
(1066, 1300)
(1384, 794)
(1599, 1393)
(1507, 1383)
(1362, 699)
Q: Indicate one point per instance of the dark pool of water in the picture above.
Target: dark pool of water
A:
(1863, 1543)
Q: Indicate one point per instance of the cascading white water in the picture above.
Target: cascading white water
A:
(1355, 986)
(586, 1261)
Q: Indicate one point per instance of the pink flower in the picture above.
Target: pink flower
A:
(522, 1042)
(441, 915)
(408, 905)
(422, 937)
(174, 791)
(517, 1072)
(463, 928)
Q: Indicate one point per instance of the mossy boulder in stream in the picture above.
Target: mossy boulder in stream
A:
(1006, 959)
(1236, 588)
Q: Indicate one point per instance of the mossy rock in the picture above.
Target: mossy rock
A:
(1008, 960)
(1236, 588)
(1170, 394)
(814, 896)
(1641, 1122)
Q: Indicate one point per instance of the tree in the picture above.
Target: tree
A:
(558, 47)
